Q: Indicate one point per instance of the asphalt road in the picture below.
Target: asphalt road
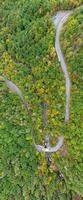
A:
(59, 19)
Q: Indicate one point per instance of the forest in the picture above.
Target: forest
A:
(29, 59)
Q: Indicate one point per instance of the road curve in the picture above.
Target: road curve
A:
(59, 19)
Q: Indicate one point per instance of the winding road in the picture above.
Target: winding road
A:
(59, 19)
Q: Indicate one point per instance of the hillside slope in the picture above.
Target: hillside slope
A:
(28, 58)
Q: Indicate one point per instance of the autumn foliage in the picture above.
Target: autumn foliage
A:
(28, 58)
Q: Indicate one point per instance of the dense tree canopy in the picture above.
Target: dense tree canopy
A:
(28, 58)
